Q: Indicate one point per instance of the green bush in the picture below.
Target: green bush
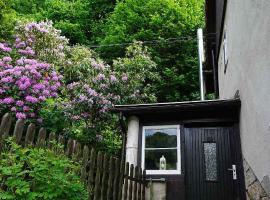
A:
(38, 174)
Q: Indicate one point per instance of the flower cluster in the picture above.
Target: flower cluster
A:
(40, 40)
(25, 84)
(86, 103)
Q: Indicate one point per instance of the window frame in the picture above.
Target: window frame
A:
(178, 148)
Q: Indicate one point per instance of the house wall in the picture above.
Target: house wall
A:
(247, 25)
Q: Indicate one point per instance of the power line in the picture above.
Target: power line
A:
(166, 41)
(153, 42)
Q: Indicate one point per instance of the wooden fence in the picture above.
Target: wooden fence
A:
(106, 177)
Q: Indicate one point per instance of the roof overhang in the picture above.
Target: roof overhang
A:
(218, 109)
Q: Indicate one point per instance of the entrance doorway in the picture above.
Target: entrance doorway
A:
(209, 166)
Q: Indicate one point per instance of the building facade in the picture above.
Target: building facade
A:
(242, 62)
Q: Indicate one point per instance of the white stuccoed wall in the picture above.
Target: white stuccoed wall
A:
(248, 34)
(132, 140)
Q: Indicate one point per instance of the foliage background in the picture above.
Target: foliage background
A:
(161, 68)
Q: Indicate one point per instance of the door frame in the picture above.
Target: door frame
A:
(236, 154)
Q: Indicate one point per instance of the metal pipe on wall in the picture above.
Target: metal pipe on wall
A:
(201, 60)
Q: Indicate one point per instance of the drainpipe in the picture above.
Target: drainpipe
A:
(201, 60)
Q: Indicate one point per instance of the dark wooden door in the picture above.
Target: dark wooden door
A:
(208, 158)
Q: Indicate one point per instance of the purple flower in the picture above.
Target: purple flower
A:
(39, 120)
(113, 78)
(76, 117)
(7, 59)
(101, 77)
(4, 48)
(20, 115)
(20, 61)
(53, 88)
(13, 109)
(19, 103)
(2, 91)
(39, 86)
(7, 79)
(42, 98)
(31, 99)
(124, 78)
(26, 108)
(46, 93)
(8, 100)
(54, 94)
(20, 45)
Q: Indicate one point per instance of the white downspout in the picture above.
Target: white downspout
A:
(201, 60)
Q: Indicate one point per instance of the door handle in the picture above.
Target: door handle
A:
(233, 169)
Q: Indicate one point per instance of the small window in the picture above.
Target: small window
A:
(210, 161)
(161, 149)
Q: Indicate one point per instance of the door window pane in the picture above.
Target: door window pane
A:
(210, 160)
(165, 159)
(161, 138)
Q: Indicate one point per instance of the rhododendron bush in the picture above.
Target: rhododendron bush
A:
(30, 80)
(25, 83)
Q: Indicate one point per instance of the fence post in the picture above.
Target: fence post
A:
(110, 180)
(104, 177)
(18, 130)
(140, 183)
(131, 182)
(92, 166)
(97, 179)
(135, 183)
(116, 179)
(77, 152)
(69, 147)
(41, 137)
(5, 125)
(30, 134)
(51, 139)
(84, 163)
(144, 184)
(126, 181)
(121, 180)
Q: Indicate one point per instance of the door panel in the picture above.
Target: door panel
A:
(208, 157)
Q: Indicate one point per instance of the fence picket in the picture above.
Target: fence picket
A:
(97, 178)
(104, 177)
(126, 181)
(110, 180)
(121, 180)
(116, 179)
(30, 134)
(18, 130)
(92, 166)
(84, 163)
(135, 184)
(140, 184)
(61, 139)
(77, 151)
(144, 184)
(131, 182)
(51, 140)
(41, 137)
(69, 147)
(5, 125)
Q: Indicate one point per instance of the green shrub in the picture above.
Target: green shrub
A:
(38, 174)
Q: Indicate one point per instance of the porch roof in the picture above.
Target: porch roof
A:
(221, 108)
